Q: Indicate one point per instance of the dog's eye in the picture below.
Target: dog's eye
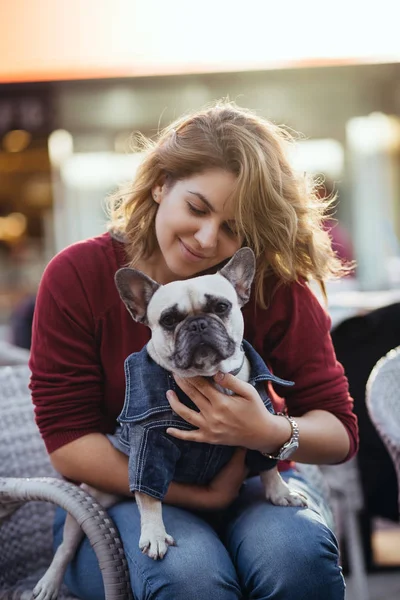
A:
(221, 308)
(168, 321)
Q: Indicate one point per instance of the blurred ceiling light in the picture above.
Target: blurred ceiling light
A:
(16, 140)
(37, 192)
(324, 156)
(12, 227)
(97, 170)
(61, 146)
(374, 133)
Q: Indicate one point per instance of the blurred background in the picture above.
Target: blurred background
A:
(77, 82)
(79, 79)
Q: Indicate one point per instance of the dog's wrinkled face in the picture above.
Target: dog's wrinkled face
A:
(197, 324)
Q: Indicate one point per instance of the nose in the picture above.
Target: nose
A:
(198, 325)
(207, 235)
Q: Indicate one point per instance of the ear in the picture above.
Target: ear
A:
(136, 291)
(157, 191)
(240, 271)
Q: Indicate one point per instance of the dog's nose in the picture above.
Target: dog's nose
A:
(198, 325)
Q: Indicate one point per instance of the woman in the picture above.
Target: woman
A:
(212, 182)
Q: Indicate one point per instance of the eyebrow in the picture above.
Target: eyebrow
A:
(203, 199)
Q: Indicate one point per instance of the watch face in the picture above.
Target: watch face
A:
(288, 451)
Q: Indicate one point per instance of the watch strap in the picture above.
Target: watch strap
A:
(291, 445)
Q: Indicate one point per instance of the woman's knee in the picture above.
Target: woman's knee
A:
(309, 563)
(292, 555)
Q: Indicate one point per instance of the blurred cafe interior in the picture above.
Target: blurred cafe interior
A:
(70, 111)
(72, 103)
(66, 144)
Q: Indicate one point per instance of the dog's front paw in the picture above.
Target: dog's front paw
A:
(155, 543)
(278, 492)
(286, 497)
(48, 587)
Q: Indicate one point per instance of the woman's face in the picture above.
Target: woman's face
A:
(195, 224)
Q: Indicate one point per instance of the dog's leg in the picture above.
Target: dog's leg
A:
(104, 498)
(278, 492)
(49, 585)
(154, 540)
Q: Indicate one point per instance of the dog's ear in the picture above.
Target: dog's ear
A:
(136, 291)
(240, 271)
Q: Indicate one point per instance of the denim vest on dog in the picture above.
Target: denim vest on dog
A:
(156, 458)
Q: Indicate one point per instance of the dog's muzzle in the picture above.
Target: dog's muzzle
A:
(202, 341)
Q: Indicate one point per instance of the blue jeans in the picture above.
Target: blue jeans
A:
(253, 550)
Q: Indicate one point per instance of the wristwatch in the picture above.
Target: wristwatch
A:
(291, 445)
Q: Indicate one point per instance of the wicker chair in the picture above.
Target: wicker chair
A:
(26, 474)
(26, 527)
(383, 403)
(12, 355)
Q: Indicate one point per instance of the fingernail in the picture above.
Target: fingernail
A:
(169, 394)
(219, 376)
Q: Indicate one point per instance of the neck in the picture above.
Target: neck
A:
(155, 268)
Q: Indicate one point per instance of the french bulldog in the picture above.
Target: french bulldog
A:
(196, 330)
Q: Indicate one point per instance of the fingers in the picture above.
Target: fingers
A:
(189, 415)
(197, 388)
(235, 385)
(189, 436)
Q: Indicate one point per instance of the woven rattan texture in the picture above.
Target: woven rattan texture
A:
(26, 537)
(383, 402)
(90, 515)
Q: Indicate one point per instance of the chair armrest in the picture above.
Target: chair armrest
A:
(92, 518)
(383, 405)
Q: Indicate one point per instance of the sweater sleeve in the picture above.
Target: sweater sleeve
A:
(293, 336)
(66, 380)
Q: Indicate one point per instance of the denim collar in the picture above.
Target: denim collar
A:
(147, 384)
(259, 370)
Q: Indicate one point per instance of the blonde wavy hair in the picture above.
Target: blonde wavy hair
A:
(279, 212)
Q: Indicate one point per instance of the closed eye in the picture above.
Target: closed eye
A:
(229, 228)
(194, 210)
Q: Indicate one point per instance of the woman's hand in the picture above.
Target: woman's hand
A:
(237, 420)
(218, 494)
(225, 486)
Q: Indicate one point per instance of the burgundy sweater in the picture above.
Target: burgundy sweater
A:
(82, 334)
